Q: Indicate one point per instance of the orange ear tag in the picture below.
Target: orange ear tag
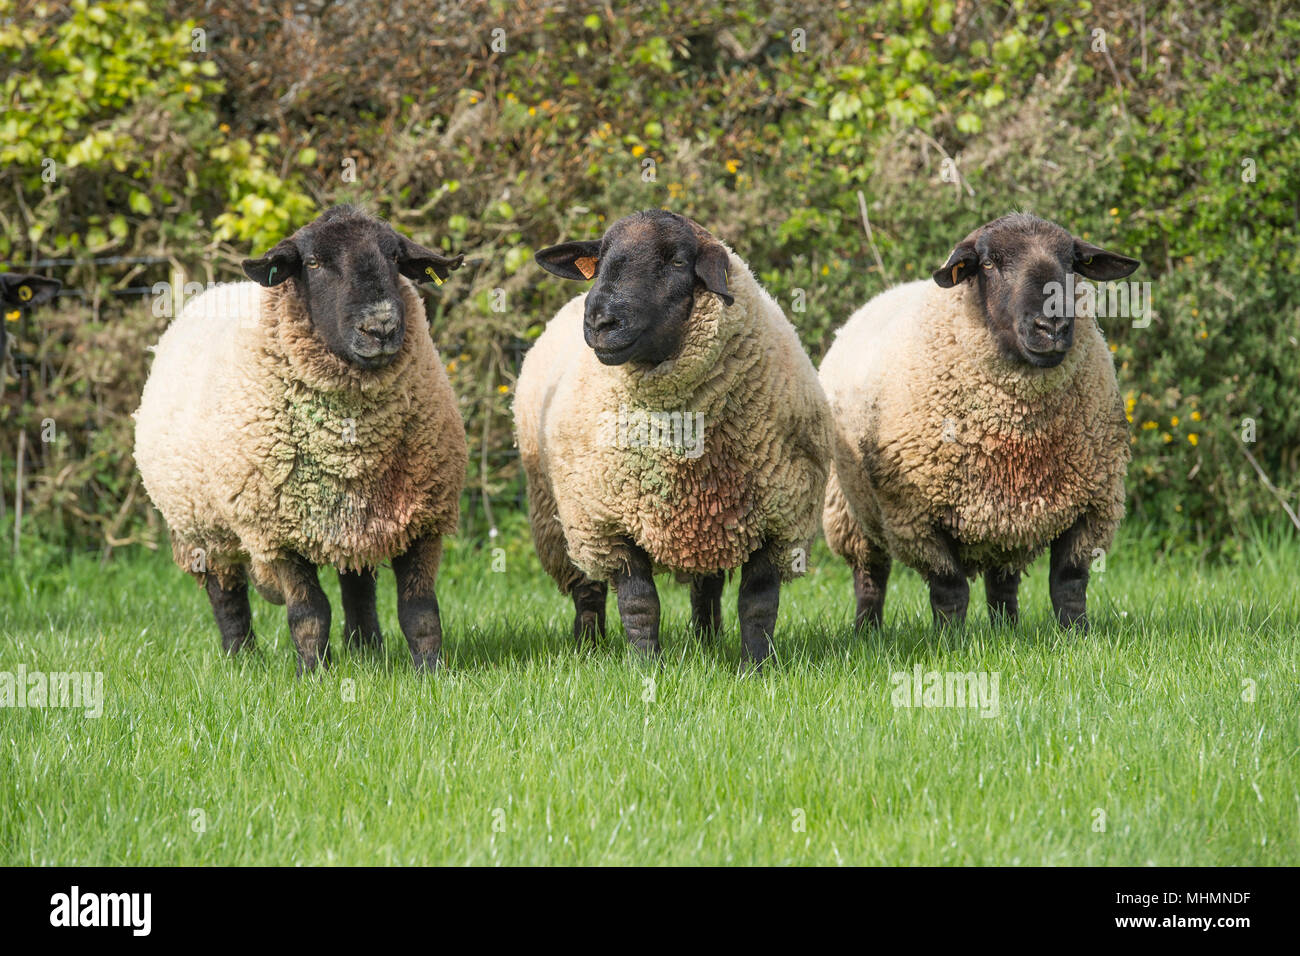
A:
(586, 265)
(955, 270)
(433, 275)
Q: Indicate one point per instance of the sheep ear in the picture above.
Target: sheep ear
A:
(711, 264)
(277, 265)
(422, 265)
(1094, 262)
(571, 260)
(26, 291)
(959, 267)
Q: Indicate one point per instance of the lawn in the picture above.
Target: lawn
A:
(1168, 735)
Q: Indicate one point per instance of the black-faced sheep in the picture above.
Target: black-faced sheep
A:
(689, 434)
(974, 427)
(305, 419)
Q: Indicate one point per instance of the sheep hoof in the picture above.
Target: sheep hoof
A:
(1072, 621)
(425, 662)
(364, 642)
(313, 665)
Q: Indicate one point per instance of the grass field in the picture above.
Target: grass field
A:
(1133, 745)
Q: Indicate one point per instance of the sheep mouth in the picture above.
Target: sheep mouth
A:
(615, 354)
(1047, 358)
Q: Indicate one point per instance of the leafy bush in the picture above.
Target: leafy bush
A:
(496, 130)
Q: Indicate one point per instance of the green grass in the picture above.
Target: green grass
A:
(526, 751)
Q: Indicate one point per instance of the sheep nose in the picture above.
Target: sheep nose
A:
(599, 320)
(1052, 328)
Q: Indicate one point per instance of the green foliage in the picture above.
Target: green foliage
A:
(1132, 128)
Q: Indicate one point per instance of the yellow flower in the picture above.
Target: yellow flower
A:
(1114, 212)
(532, 111)
(1196, 416)
(638, 149)
(1193, 439)
(503, 389)
(1149, 426)
(733, 165)
(1173, 422)
(1167, 437)
(1204, 334)
(1114, 347)
(224, 127)
(826, 270)
(451, 367)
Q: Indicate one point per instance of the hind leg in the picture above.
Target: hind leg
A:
(869, 591)
(230, 607)
(706, 604)
(589, 599)
(760, 593)
(360, 618)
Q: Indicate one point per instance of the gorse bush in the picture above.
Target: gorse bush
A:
(1168, 134)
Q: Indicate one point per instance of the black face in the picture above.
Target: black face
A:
(648, 269)
(1019, 264)
(20, 294)
(346, 265)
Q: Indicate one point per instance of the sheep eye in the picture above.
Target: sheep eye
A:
(311, 262)
(987, 263)
(679, 262)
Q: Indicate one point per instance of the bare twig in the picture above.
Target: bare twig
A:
(871, 240)
(1269, 485)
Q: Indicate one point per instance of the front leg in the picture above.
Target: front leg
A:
(706, 604)
(638, 601)
(1068, 579)
(949, 588)
(1002, 592)
(360, 619)
(230, 607)
(309, 611)
(417, 604)
(760, 593)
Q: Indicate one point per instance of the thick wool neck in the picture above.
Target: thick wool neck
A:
(972, 348)
(287, 333)
(711, 343)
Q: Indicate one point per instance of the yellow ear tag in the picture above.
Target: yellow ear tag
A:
(955, 270)
(433, 275)
(13, 316)
(25, 292)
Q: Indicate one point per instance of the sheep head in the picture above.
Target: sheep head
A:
(21, 293)
(346, 266)
(1017, 263)
(648, 268)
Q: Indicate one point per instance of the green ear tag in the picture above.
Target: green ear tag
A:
(433, 275)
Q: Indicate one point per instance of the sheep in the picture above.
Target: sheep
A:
(975, 427)
(691, 435)
(20, 294)
(305, 419)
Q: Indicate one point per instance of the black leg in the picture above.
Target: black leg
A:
(869, 590)
(706, 604)
(360, 618)
(1068, 582)
(230, 607)
(417, 604)
(309, 611)
(638, 601)
(949, 595)
(760, 593)
(1001, 590)
(589, 599)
